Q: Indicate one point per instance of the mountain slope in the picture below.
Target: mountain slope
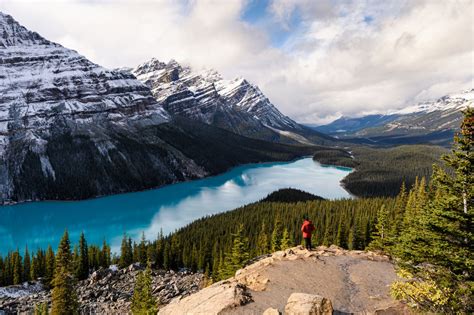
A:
(71, 129)
(429, 122)
(347, 125)
(235, 105)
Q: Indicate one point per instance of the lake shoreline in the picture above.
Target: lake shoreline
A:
(14, 203)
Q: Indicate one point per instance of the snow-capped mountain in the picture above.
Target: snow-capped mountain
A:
(236, 105)
(431, 121)
(70, 129)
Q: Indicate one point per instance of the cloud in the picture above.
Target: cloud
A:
(341, 57)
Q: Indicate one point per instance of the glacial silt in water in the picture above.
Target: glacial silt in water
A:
(170, 207)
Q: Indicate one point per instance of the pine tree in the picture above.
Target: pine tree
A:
(105, 255)
(27, 265)
(143, 301)
(41, 309)
(262, 242)
(326, 236)
(436, 252)
(276, 236)
(142, 250)
(159, 249)
(380, 235)
(64, 300)
(82, 267)
(285, 240)
(17, 268)
(126, 254)
(166, 256)
(238, 256)
(50, 266)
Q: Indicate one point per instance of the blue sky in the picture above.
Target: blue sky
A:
(257, 12)
(314, 59)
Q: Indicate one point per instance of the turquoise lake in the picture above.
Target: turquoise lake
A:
(170, 207)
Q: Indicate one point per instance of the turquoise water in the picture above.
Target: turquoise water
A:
(173, 206)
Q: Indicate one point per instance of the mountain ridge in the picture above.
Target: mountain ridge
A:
(430, 121)
(236, 105)
(71, 129)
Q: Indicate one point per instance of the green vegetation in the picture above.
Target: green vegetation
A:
(290, 195)
(428, 229)
(63, 297)
(143, 302)
(431, 234)
(381, 172)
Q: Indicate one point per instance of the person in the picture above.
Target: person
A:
(307, 228)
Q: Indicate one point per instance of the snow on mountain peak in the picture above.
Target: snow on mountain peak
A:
(41, 80)
(454, 101)
(205, 89)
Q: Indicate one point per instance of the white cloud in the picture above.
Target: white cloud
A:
(334, 62)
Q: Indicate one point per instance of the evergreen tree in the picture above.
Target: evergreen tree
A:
(262, 242)
(285, 240)
(64, 300)
(82, 267)
(50, 266)
(166, 256)
(142, 252)
(159, 249)
(436, 251)
(126, 254)
(27, 265)
(380, 236)
(105, 255)
(17, 268)
(238, 255)
(41, 309)
(276, 236)
(143, 301)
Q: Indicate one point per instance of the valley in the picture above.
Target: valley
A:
(178, 188)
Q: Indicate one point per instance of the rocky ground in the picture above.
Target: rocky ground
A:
(296, 281)
(107, 291)
(327, 280)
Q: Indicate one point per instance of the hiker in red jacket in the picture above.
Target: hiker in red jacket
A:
(307, 228)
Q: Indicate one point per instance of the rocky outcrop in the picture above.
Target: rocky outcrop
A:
(308, 304)
(214, 300)
(297, 281)
(106, 291)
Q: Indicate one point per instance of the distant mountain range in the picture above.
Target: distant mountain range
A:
(428, 122)
(70, 129)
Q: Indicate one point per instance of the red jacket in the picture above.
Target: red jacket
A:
(307, 228)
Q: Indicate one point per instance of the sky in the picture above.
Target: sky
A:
(315, 59)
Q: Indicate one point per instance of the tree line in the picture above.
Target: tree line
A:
(427, 229)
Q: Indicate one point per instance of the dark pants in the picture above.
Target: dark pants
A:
(307, 243)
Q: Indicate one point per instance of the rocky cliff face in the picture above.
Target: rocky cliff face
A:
(70, 129)
(235, 105)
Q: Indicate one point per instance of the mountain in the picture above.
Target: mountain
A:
(346, 125)
(235, 105)
(428, 122)
(70, 129)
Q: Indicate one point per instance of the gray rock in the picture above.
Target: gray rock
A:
(308, 304)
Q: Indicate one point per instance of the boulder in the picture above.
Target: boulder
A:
(213, 300)
(271, 311)
(308, 304)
